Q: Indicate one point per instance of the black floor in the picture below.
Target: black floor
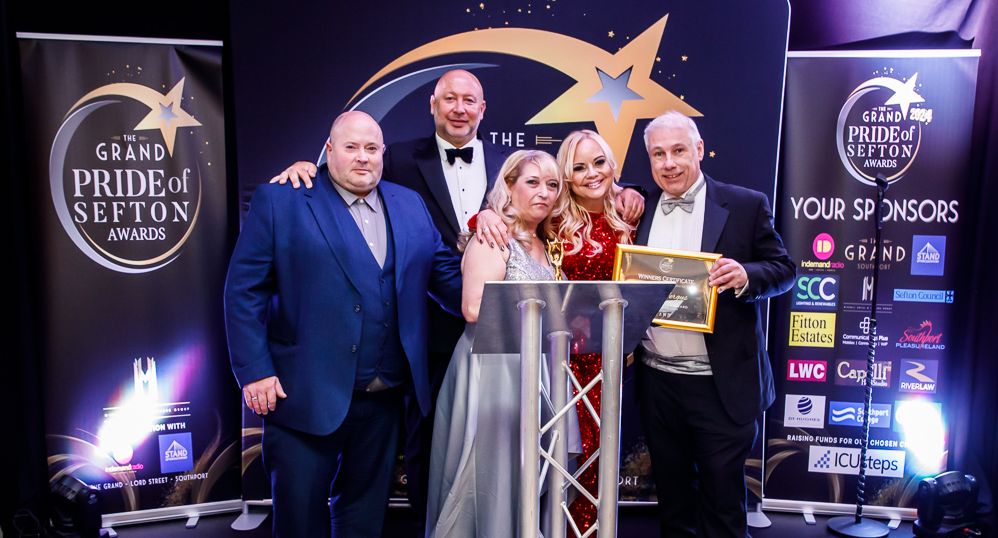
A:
(633, 522)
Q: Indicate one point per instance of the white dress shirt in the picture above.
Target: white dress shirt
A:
(683, 231)
(465, 182)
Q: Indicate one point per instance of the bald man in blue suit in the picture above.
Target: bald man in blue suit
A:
(325, 306)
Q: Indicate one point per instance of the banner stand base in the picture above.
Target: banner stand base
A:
(864, 528)
(757, 519)
(809, 517)
(252, 517)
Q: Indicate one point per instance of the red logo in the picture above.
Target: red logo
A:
(921, 337)
(803, 370)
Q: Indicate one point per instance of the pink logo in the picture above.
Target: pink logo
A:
(823, 246)
(802, 370)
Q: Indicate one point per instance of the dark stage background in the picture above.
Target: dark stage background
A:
(825, 25)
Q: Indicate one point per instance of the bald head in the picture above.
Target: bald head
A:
(354, 152)
(354, 118)
(458, 76)
(457, 106)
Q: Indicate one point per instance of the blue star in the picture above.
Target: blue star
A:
(615, 91)
(166, 112)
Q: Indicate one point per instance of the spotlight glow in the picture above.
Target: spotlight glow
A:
(921, 425)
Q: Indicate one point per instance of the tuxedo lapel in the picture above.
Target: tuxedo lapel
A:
(714, 217)
(651, 208)
(333, 217)
(493, 163)
(427, 157)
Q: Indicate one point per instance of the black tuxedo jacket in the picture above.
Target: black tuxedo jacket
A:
(738, 224)
(416, 164)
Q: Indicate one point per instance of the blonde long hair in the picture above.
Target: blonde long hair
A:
(575, 225)
(500, 198)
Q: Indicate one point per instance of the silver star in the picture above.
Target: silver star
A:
(166, 112)
(615, 91)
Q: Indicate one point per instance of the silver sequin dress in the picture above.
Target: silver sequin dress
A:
(475, 457)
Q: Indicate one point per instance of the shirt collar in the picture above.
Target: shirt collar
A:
(700, 179)
(371, 199)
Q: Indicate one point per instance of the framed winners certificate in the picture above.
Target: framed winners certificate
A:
(692, 303)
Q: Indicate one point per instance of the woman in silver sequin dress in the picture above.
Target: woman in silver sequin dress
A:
(475, 458)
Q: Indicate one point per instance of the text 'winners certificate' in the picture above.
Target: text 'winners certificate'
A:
(692, 302)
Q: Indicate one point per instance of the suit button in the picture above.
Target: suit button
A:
(356, 308)
(382, 281)
(386, 324)
(353, 349)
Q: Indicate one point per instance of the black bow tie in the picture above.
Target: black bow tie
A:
(465, 154)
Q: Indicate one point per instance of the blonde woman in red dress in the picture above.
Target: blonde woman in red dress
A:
(587, 230)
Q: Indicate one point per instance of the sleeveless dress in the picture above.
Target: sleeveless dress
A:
(475, 456)
(588, 265)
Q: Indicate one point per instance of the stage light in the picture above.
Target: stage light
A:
(921, 426)
(947, 506)
(74, 508)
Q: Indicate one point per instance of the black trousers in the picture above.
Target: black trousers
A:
(353, 467)
(697, 454)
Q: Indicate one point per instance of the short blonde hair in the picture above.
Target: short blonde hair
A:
(500, 198)
(574, 224)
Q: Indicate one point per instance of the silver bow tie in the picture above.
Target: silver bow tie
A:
(685, 203)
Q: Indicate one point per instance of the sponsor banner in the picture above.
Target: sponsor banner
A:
(848, 119)
(860, 334)
(925, 336)
(852, 372)
(807, 370)
(838, 460)
(930, 255)
(804, 411)
(851, 414)
(919, 376)
(816, 292)
(923, 296)
(812, 329)
(129, 146)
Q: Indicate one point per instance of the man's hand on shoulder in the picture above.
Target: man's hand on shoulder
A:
(630, 204)
(298, 173)
(261, 395)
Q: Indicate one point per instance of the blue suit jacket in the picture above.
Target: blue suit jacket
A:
(292, 308)
(738, 224)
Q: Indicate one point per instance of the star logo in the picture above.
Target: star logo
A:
(615, 91)
(895, 109)
(165, 113)
(904, 94)
(611, 90)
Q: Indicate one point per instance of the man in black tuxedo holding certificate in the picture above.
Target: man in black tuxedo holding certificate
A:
(700, 395)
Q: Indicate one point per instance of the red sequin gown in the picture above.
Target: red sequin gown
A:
(585, 265)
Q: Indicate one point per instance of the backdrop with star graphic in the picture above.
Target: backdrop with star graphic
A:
(548, 67)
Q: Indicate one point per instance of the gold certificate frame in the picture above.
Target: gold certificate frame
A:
(692, 304)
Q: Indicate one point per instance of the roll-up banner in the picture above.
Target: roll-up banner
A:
(546, 69)
(850, 117)
(127, 141)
